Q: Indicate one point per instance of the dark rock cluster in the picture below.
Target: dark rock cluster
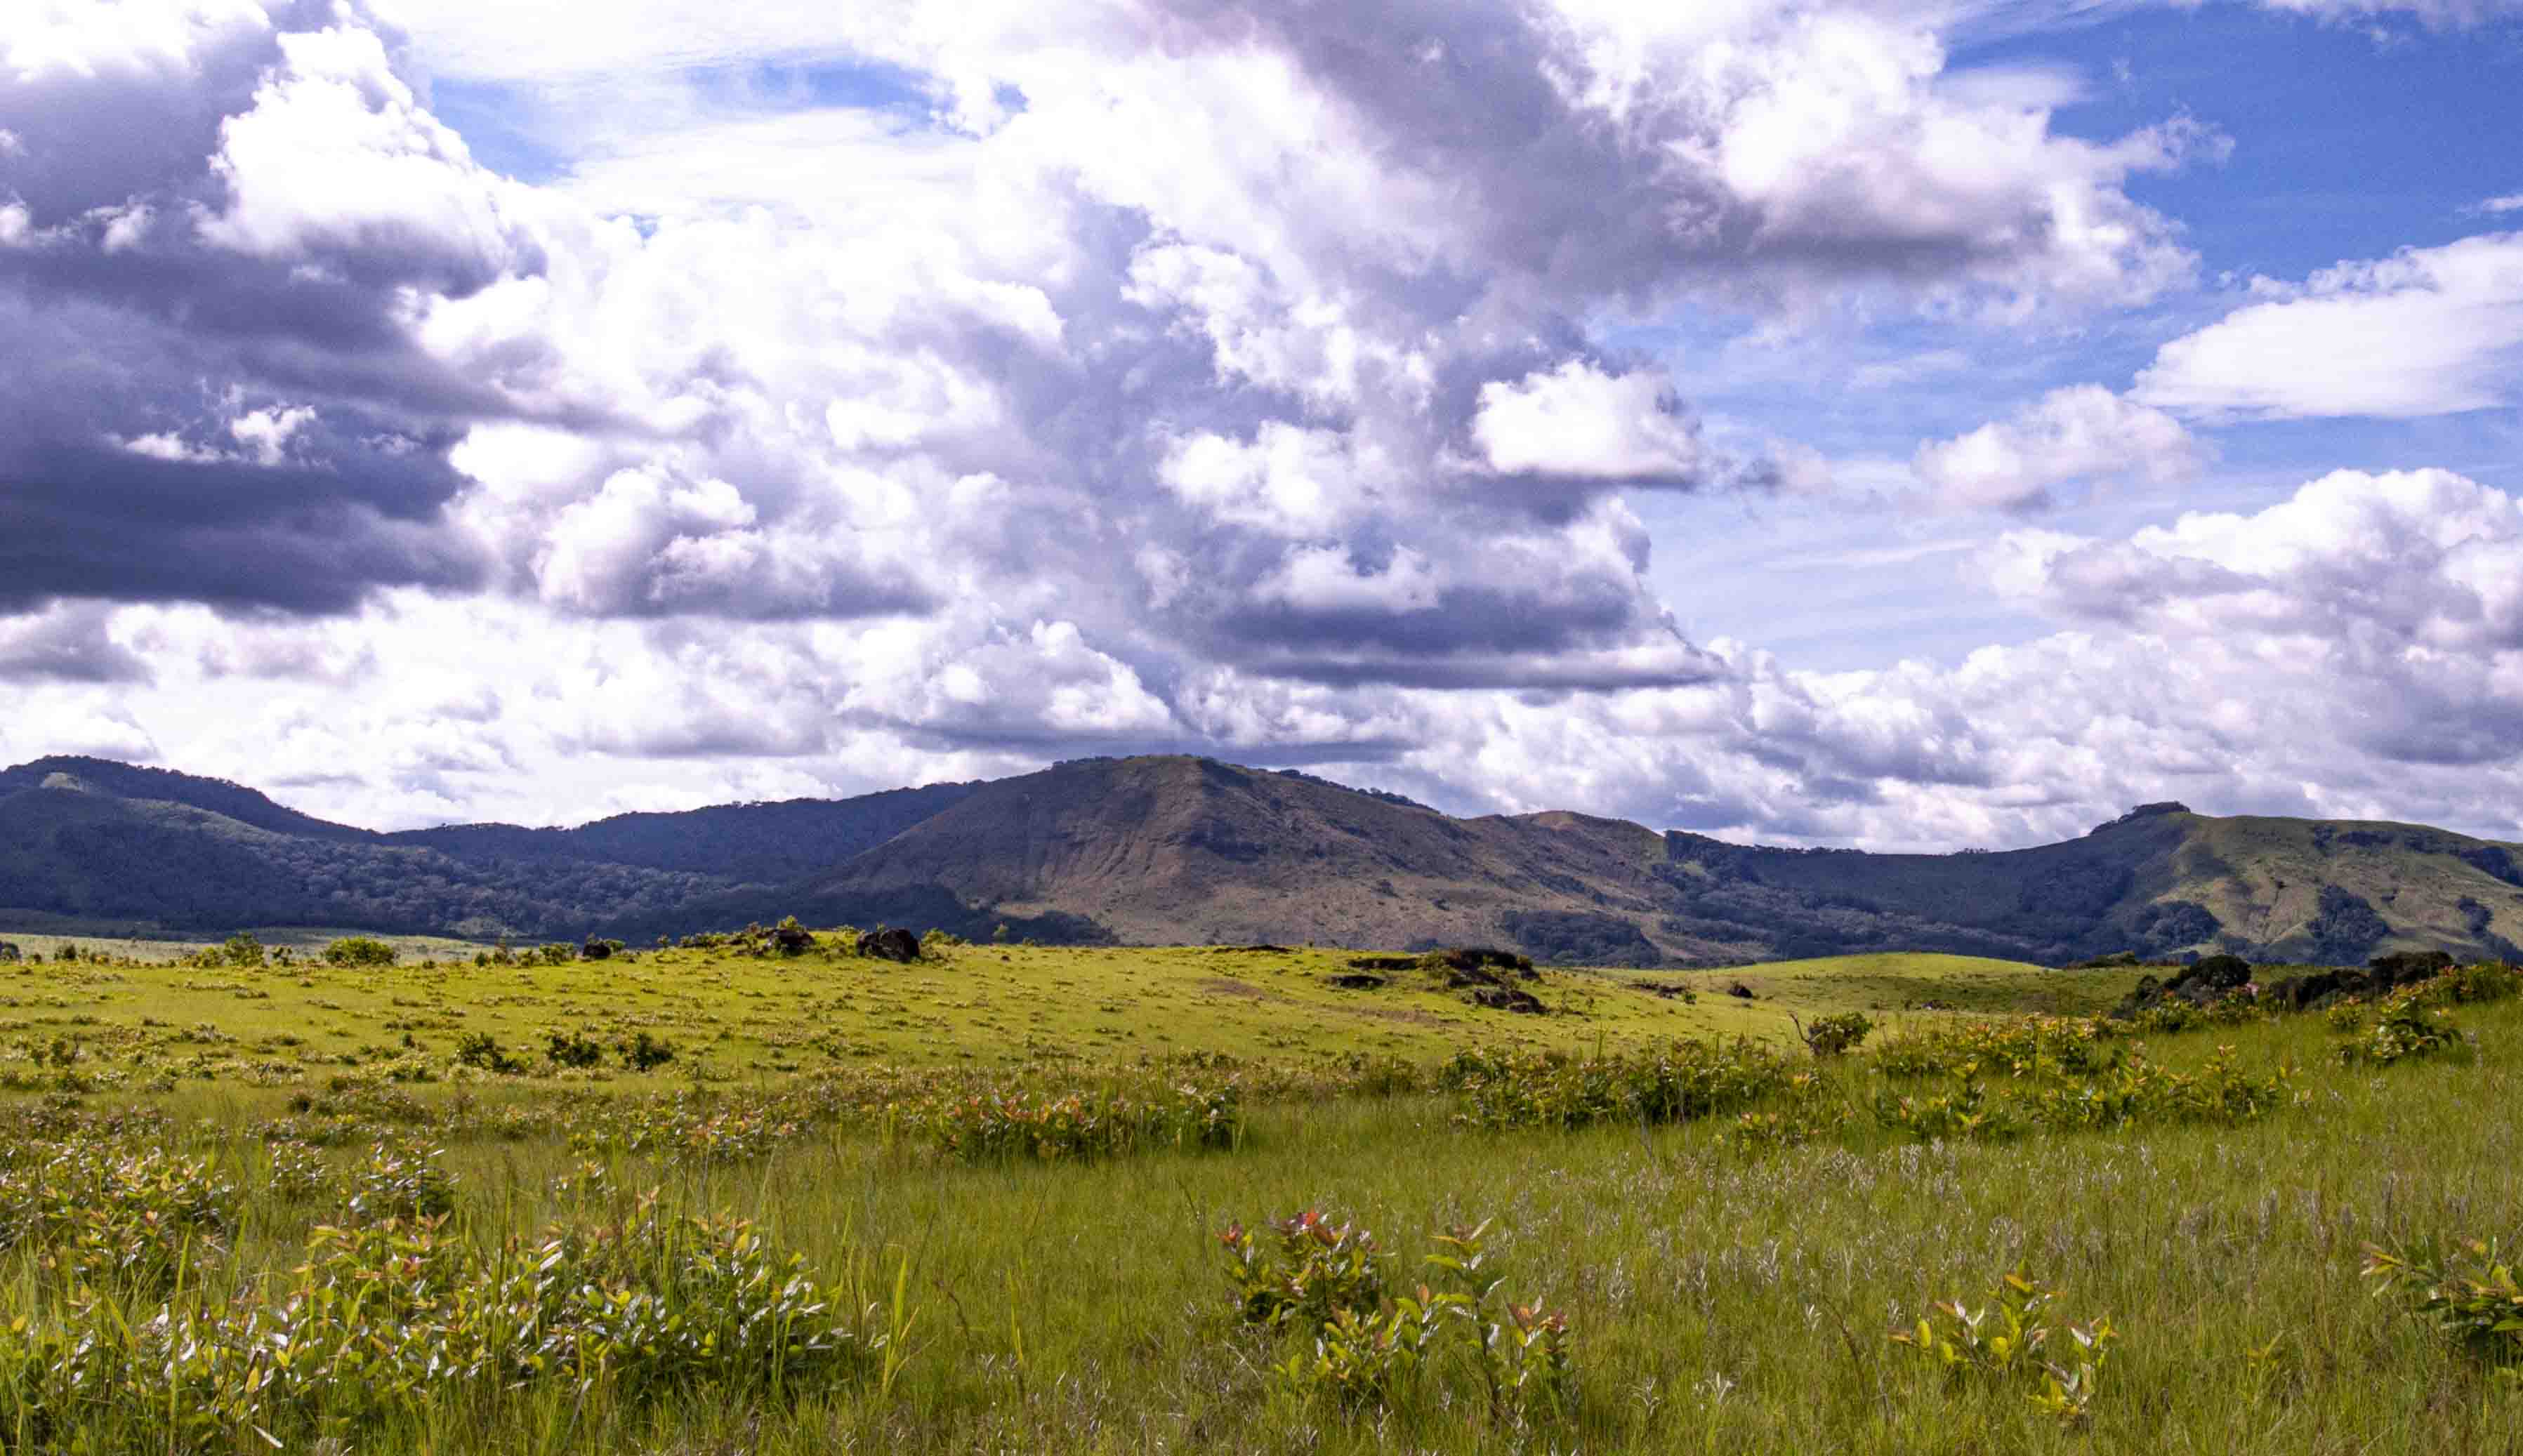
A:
(890, 943)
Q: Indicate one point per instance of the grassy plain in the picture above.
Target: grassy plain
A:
(123, 941)
(741, 1017)
(1720, 1298)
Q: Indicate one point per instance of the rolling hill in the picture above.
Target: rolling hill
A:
(1176, 850)
(97, 842)
(1188, 849)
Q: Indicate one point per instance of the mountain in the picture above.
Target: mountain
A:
(2161, 880)
(96, 840)
(1174, 849)
(769, 844)
(106, 778)
(1169, 849)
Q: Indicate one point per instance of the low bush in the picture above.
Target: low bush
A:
(2134, 1092)
(1031, 1124)
(1679, 1081)
(481, 1049)
(572, 1050)
(358, 950)
(2468, 1294)
(400, 1183)
(643, 1052)
(135, 1217)
(298, 1172)
(386, 1320)
(1365, 1346)
(1834, 1036)
(2406, 1029)
(2009, 1343)
(2059, 1045)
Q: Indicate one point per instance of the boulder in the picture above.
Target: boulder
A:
(2305, 993)
(2409, 967)
(888, 943)
(1483, 957)
(1358, 980)
(2217, 973)
(1507, 998)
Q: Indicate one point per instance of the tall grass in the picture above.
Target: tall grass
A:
(1719, 1296)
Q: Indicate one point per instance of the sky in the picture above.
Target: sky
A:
(1906, 426)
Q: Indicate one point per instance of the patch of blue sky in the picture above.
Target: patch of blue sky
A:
(526, 131)
(2350, 141)
(495, 120)
(814, 85)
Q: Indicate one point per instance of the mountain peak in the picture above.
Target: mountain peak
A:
(2143, 811)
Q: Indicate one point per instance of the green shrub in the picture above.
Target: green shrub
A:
(400, 1181)
(1312, 1268)
(1834, 1036)
(2022, 1047)
(1679, 1081)
(643, 1052)
(384, 1321)
(479, 1048)
(298, 1172)
(2407, 1029)
(358, 950)
(1966, 1112)
(2467, 1293)
(2008, 1341)
(1023, 1123)
(95, 1210)
(1363, 1343)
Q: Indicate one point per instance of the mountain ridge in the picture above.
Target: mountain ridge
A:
(1181, 848)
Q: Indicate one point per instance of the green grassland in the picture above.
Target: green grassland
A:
(735, 1015)
(1722, 1292)
(119, 940)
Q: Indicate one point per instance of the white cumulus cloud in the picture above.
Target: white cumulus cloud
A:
(2083, 432)
(2427, 331)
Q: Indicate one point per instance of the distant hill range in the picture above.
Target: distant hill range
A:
(1164, 850)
